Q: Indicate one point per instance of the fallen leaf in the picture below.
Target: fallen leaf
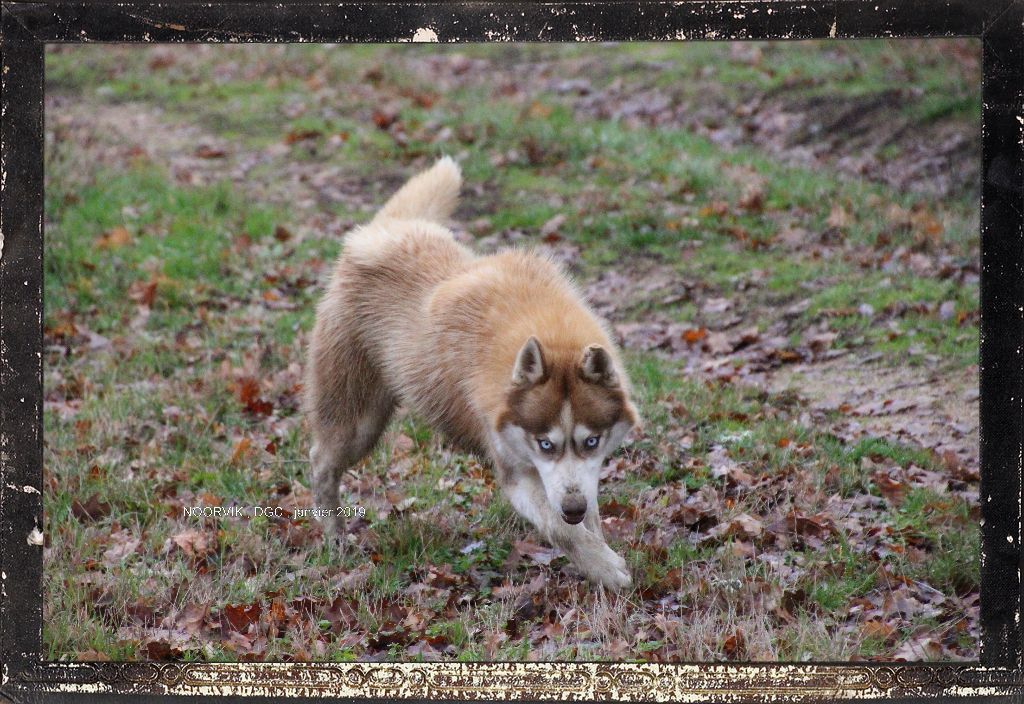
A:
(193, 543)
(472, 547)
(248, 391)
(734, 646)
(717, 343)
(694, 335)
(241, 448)
(92, 510)
(384, 118)
(715, 208)
(143, 293)
(160, 650)
(114, 239)
(742, 526)
(892, 489)
(123, 545)
(208, 152)
(538, 553)
(878, 629)
(549, 230)
(838, 217)
(301, 135)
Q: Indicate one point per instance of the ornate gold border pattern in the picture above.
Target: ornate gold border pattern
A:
(547, 681)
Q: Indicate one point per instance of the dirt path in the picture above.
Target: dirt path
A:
(933, 408)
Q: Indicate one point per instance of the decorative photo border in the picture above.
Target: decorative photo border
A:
(27, 26)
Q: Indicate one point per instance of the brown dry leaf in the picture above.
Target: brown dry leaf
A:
(192, 618)
(493, 641)
(208, 152)
(753, 197)
(742, 526)
(248, 391)
(957, 469)
(750, 526)
(143, 293)
(192, 543)
(717, 343)
(838, 217)
(787, 356)
(399, 503)
(353, 580)
(442, 577)
(620, 510)
(538, 553)
(342, 613)
(123, 544)
(698, 517)
(209, 499)
(746, 337)
(879, 629)
(715, 208)
(301, 135)
(538, 110)
(242, 447)
(384, 118)
(403, 444)
(720, 463)
(734, 646)
(549, 230)
(694, 335)
(241, 616)
(114, 239)
(892, 489)
(817, 525)
(717, 306)
(820, 342)
(884, 407)
(160, 650)
(923, 648)
(928, 229)
(92, 510)
(161, 61)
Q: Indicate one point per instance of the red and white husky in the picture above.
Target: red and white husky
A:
(500, 353)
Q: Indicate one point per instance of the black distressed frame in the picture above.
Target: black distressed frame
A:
(26, 27)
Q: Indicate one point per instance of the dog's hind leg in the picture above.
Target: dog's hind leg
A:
(348, 409)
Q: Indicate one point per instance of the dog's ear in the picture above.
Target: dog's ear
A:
(529, 367)
(597, 367)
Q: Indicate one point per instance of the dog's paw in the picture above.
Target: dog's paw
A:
(609, 569)
(616, 579)
(620, 562)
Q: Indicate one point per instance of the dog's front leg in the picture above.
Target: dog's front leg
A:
(583, 545)
(592, 522)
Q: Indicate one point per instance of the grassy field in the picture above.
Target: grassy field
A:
(784, 237)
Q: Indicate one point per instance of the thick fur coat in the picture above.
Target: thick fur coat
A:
(500, 353)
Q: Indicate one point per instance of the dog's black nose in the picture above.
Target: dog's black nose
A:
(574, 507)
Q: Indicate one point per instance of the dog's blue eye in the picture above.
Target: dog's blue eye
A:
(591, 442)
(545, 445)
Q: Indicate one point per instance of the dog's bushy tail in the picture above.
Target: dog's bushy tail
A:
(430, 195)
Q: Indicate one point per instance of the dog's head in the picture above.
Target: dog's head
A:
(565, 412)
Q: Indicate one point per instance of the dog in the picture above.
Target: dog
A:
(500, 353)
